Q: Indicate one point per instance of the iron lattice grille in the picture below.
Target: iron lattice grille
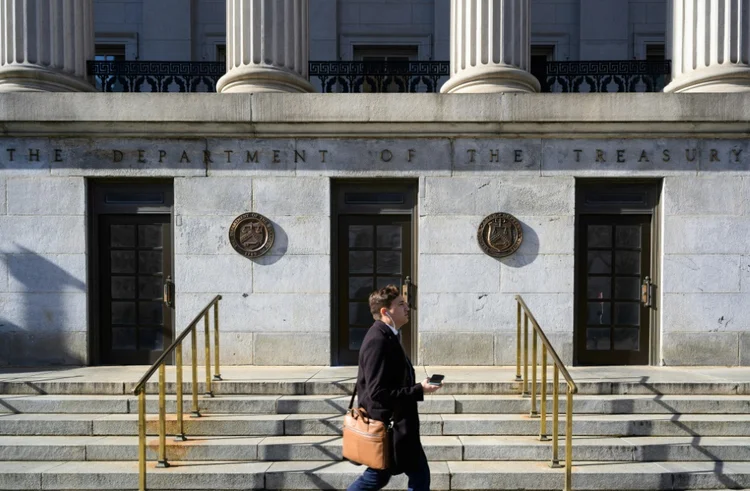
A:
(391, 76)
(603, 76)
(156, 76)
(379, 76)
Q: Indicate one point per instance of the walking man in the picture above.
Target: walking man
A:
(387, 389)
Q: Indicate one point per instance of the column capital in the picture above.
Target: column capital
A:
(267, 47)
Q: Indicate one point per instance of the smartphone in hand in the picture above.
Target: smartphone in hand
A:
(436, 379)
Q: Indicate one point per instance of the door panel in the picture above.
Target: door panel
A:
(613, 262)
(135, 261)
(374, 251)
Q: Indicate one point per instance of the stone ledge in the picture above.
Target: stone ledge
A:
(338, 114)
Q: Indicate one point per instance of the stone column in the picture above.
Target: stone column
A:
(45, 44)
(710, 46)
(490, 48)
(267, 46)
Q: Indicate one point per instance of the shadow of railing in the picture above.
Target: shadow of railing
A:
(718, 464)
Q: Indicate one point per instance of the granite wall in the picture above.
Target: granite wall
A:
(43, 285)
(276, 308)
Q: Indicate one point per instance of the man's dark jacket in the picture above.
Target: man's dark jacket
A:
(387, 388)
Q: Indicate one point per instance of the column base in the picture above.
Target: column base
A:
(26, 78)
(495, 80)
(262, 79)
(732, 78)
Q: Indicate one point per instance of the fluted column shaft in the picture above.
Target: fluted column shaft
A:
(710, 46)
(267, 46)
(490, 47)
(45, 44)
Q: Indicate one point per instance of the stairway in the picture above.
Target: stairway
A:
(285, 434)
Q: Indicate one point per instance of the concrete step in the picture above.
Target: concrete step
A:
(437, 448)
(338, 475)
(330, 424)
(320, 404)
(55, 404)
(472, 404)
(343, 386)
(601, 425)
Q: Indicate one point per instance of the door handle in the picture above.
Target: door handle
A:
(647, 292)
(406, 292)
(168, 296)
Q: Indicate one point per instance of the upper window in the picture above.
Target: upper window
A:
(393, 78)
(221, 52)
(386, 53)
(542, 52)
(540, 55)
(655, 52)
(109, 52)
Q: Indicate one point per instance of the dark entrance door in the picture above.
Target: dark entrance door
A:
(616, 272)
(614, 317)
(132, 265)
(374, 251)
(373, 236)
(136, 261)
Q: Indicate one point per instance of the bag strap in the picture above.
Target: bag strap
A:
(351, 402)
(351, 405)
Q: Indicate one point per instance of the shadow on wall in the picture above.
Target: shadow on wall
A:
(43, 320)
(527, 253)
(279, 248)
(549, 315)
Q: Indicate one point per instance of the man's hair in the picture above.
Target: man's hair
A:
(382, 298)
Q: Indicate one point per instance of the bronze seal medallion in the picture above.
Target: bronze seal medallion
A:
(251, 234)
(500, 235)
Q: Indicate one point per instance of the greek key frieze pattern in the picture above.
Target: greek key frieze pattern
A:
(603, 76)
(156, 76)
(361, 76)
(372, 76)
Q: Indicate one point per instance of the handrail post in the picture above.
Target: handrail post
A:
(217, 367)
(525, 389)
(194, 352)
(160, 365)
(209, 392)
(555, 417)
(568, 439)
(558, 368)
(180, 435)
(142, 440)
(543, 428)
(518, 341)
(534, 358)
(162, 462)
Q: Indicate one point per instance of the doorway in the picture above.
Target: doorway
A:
(616, 273)
(131, 270)
(373, 228)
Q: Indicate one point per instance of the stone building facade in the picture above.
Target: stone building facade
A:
(574, 29)
(633, 207)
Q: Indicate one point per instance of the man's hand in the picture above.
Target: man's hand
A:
(428, 388)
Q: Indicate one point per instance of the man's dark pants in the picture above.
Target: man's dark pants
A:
(371, 479)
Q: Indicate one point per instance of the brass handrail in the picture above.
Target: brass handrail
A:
(523, 311)
(160, 365)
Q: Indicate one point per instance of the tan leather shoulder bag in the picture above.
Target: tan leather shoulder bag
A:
(366, 440)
